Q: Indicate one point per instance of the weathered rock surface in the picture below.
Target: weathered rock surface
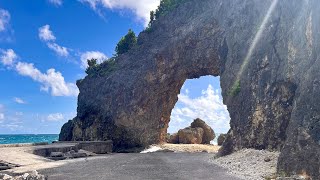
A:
(208, 133)
(221, 139)
(174, 138)
(266, 54)
(190, 135)
(66, 131)
(198, 133)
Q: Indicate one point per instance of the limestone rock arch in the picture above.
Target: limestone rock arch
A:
(276, 108)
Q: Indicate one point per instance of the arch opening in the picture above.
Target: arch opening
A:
(200, 98)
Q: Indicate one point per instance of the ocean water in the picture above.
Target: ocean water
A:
(36, 138)
(28, 138)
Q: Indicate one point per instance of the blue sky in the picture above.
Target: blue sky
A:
(43, 47)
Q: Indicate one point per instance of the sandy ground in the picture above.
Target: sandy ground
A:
(190, 148)
(27, 161)
(20, 156)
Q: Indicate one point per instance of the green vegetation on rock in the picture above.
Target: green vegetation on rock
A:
(103, 69)
(164, 8)
(235, 89)
(126, 43)
(92, 66)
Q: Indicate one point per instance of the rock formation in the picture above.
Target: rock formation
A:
(174, 138)
(198, 133)
(190, 135)
(208, 133)
(266, 54)
(221, 139)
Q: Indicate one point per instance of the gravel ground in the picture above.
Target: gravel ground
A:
(250, 164)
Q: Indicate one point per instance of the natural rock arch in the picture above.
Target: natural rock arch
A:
(277, 106)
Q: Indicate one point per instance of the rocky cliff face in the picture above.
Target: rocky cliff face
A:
(266, 53)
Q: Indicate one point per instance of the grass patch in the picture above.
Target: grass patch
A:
(235, 89)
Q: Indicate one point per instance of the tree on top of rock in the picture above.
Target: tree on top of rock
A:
(92, 66)
(126, 43)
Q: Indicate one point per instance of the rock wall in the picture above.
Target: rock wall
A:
(269, 69)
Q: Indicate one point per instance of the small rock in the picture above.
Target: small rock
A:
(267, 159)
(4, 168)
(5, 177)
(25, 175)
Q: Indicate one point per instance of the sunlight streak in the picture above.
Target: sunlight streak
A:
(256, 39)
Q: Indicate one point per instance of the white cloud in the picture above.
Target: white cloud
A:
(56, 2)
(1, 116)
(46, 34)
(12, 126)
(51, 80)
(60, 50)
(19, 113)
(92, 55)
(8, 57)
(4, 19)
(141, 8)
(19, 100)
(208, 107)
(55, 117)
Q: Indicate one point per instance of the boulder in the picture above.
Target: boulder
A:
(221, 139)
(208, 133)
(190, 135)
(174, 138)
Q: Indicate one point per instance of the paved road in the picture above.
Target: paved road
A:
(141, 166)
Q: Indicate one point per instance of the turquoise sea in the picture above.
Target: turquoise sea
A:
(27, 138)
(37, 138)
